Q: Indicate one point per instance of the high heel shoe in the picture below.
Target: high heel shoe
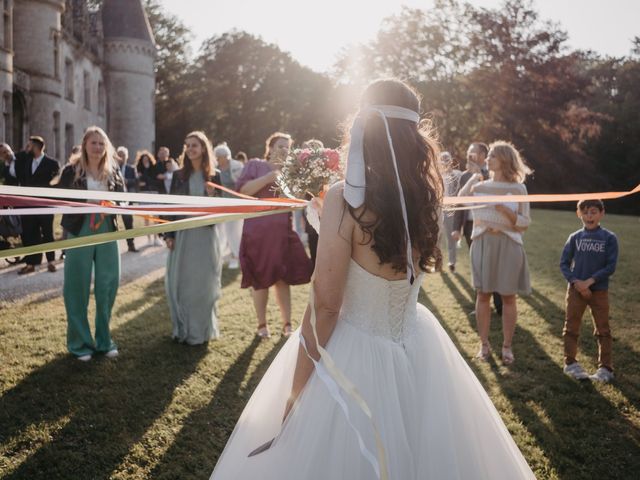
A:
(484, 352)
(507, 355)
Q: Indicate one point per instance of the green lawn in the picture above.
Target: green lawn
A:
(163, 410)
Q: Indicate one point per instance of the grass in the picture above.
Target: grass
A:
(165, 411)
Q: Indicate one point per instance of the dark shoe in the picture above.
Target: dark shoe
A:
(132, 248)
(452, 267)
(26, 269)
(51, 267)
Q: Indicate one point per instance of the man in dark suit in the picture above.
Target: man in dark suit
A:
(32, 168)
(131, 182)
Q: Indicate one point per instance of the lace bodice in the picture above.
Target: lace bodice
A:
(384, 308)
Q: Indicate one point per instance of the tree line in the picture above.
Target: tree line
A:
(484, 74)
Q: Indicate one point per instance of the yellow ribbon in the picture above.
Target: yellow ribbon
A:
(349, 388)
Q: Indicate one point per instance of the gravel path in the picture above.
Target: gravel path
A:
(43, 285)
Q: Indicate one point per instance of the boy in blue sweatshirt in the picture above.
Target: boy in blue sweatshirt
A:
(588, 260)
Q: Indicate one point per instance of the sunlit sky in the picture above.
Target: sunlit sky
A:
(314, 31)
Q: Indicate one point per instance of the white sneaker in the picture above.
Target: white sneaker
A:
(84, 358)
(576, 371)
(234, 264)
(602, 375)
(112, 353)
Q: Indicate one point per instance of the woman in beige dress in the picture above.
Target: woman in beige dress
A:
(498, 260)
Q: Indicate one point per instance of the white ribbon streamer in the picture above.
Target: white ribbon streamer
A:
(355, 176)
(336, 381)
(145, 198)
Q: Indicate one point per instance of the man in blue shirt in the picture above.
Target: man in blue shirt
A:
(588, 260)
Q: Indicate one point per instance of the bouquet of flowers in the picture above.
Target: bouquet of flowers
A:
(308, 172)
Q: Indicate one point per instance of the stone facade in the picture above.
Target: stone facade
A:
(64, 68)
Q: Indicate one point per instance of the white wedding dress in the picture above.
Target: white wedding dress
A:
(434, 417)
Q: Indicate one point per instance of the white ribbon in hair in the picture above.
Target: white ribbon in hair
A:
(355, 178)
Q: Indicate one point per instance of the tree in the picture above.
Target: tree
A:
(487, 74)
(172, 64)
(614, 94)
(246, 89)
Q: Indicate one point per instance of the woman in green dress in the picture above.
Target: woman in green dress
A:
(194, 266)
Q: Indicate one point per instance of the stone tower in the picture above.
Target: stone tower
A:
(129, 54)
(6, 71)
(36, 24)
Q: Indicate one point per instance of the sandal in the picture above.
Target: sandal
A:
(263, 331)
(507, 355)
(287, 330)
(484, 352)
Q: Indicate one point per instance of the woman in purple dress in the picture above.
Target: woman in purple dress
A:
(271, 253)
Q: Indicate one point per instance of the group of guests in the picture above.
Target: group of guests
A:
(499, 267)
(267, 249)
(270, 252)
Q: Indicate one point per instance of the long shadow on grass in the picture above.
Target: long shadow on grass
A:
(149, 296)
(460, 296)
(111, 404)
(576, 416)
(548, 310)
(624, 354)
(206, 431)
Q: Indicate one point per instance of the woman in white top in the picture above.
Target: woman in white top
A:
(498, 260)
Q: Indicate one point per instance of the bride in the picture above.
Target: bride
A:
(390, 397)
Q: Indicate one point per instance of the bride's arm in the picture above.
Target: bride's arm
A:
(332, 263)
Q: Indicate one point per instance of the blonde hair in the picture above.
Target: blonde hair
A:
(513, 167)
(107, 162)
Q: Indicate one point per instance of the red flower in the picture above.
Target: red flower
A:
(333, 159)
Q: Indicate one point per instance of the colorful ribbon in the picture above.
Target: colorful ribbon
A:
(335, 380)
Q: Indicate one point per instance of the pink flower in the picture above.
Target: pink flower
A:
(304, 155)
(333, 159)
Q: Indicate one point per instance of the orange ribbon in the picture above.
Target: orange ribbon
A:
(559, 197)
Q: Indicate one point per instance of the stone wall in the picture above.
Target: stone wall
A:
(67, 84)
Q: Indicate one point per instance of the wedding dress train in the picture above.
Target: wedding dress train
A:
(435, 419)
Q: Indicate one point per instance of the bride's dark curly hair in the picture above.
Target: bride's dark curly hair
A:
(416, 153)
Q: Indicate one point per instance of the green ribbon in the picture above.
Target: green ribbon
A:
(184, 224)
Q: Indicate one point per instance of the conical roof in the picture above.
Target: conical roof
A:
(125, 19)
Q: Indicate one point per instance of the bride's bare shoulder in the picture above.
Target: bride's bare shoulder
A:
(334, 209)
(334, 199)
